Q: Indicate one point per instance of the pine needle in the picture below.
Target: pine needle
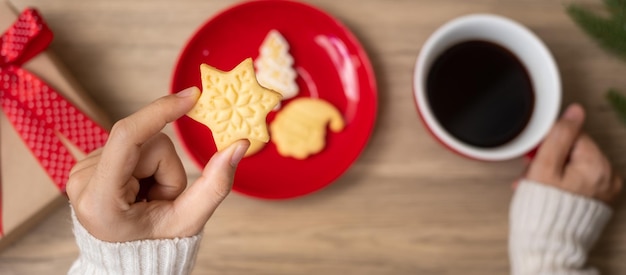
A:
(610, 33)
(618, 102)
(616, 7)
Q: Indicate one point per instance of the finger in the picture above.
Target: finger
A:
(122, 150)
(207, 192)
(586, 152)
(96, 152)
(159, 160)
(77, 182)
(586, 164)
(555, 149)
(90, 160)
(589, 172)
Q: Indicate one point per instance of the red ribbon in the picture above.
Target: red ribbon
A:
(37, 112)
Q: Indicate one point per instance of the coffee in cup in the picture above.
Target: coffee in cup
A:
(486, 87)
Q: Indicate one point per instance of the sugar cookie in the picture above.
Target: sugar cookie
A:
(299, 129)
(233, 104)
(255, 147)
(274, 66)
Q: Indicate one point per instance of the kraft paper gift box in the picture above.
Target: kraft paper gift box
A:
(28, 192)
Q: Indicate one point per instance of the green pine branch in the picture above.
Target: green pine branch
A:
(618, 102)
(616, 7)
(609, 32)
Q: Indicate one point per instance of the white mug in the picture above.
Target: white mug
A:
(530, 51)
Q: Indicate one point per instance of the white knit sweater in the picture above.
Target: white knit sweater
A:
(155, 257)
(551, 232)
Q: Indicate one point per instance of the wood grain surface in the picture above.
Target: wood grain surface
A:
(407, 206)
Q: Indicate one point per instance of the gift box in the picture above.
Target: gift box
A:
(46, 123)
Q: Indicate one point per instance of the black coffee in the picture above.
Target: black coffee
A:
(480, 93)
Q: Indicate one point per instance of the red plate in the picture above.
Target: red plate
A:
(331, 65)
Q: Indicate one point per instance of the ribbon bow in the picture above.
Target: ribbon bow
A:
(37, 112)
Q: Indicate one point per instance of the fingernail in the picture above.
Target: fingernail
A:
(240, 151)
(187, 92)
(573, 112)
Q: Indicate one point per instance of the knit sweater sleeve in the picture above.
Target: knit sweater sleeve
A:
(552, 231)
(165, 256)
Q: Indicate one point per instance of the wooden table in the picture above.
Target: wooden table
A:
(407, 206)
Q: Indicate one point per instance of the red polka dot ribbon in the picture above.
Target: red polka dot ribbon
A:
(37, 112)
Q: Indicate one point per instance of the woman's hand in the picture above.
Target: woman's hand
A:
(104, 188)
(570, 160)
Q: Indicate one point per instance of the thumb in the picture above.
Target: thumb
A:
(201, 199)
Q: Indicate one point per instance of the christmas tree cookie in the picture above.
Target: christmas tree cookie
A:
(274, 66)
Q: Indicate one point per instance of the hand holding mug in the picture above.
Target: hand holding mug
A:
(570, 160)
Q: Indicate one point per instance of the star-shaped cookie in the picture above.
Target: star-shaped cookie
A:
(233, 104)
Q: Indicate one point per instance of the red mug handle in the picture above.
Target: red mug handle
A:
(532, 153)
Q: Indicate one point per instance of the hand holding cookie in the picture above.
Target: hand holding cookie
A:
(233, 104)
(105, 187)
